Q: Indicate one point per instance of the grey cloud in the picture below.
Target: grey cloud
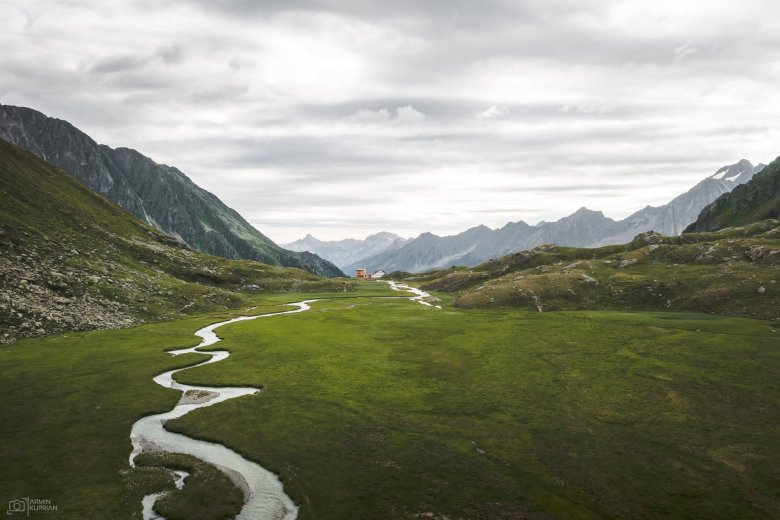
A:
(118, 63)
(167, 54)
(171, 54)
(570, 188)
(288, 196)
(307, 158)
(442, 9)
(221, 93)
(503, 211)
(644, 109)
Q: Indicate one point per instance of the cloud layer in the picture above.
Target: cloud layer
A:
(342, 118)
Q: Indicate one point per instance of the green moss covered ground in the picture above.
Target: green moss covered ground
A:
(383, 408)
(388, 409)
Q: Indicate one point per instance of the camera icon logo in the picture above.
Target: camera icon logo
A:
(17, 506)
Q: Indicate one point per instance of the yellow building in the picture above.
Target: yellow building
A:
(361, 274)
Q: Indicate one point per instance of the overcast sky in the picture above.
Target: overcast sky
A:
(343, 118)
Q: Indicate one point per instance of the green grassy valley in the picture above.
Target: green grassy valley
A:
(626, 381)
(73, 399)
(383, 408)
(545, 283)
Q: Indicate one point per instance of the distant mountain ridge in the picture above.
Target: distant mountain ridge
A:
(731, 271)
(584, 228)
(671, 219)
(754, 201)
(344, 253)
(160, 195)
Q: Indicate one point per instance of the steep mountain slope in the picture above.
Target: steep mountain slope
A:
(160, 195)
(584, 228)
(734, 271)
(672, 218)
(754, 201)
(344, 253)
(73, 260)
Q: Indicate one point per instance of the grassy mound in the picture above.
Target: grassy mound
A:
(735, 271)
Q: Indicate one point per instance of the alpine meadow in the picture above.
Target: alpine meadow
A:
(539, 275)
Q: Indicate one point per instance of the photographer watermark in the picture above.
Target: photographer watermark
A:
(29, 505)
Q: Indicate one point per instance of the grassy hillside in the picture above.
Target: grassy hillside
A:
(734, 271)
(757, 200)
(157, 194)
(72, 260)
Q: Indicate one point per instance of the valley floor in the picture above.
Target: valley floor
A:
(384, 408)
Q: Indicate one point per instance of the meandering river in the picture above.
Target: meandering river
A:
(265, 497)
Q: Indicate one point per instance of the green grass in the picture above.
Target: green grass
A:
(68, 405)
(69, 402)
(208, 494)
(390, 410)
(383, 408)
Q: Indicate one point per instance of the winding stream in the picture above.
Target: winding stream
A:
(265, 497)
(419, 296)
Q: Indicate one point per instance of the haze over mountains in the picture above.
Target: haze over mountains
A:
(584, 228)
(345, 253)
(160, 195)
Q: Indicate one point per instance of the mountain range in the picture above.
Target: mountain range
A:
(345, 253)
(584, 228)
(726, 262)
(168, 200)
(160, 195)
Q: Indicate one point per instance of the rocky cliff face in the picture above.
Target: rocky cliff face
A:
(157, 194)
(344, 253)
(584, 228)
